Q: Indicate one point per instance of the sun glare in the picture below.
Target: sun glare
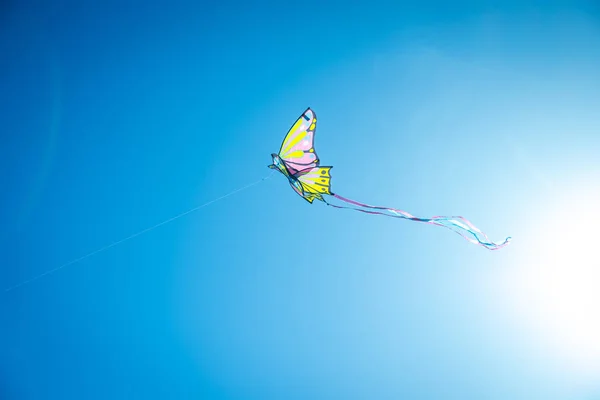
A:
(557, 286)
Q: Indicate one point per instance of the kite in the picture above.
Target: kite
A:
(298, 161)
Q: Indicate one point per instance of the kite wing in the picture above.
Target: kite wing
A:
(316, 182)
(297, 151)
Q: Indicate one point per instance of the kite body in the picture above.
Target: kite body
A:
(297, 160)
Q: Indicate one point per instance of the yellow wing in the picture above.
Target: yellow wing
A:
(297, 150)
(316, 182)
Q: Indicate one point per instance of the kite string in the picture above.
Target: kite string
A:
(118, 242)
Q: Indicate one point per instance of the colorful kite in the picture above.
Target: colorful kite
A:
(298, 162)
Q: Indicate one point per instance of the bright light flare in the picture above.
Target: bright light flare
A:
(556, 286)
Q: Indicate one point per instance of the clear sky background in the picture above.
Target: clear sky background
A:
(115, 116)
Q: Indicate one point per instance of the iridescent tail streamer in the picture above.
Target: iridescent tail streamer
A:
(457, 224)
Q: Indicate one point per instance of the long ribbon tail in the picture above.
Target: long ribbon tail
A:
(457, 224)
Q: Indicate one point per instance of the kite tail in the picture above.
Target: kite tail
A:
(457, 224)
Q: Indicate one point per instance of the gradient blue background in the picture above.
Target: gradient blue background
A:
(114, 117)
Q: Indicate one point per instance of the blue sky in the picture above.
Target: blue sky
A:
(116, 117)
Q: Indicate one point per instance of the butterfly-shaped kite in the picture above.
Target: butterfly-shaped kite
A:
(297, 160)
